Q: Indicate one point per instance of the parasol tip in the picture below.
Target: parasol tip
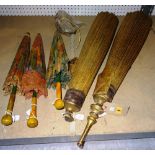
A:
(32, 122)
(81, 144)
(38, 34)
(27, 33)
(59, 104)
(7, 120)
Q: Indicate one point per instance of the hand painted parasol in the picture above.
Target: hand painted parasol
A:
(33, 80)
(12, 83)
(57, 73)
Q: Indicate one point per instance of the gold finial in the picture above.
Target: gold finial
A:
(59, 104)
(32, 122)
(7, 120)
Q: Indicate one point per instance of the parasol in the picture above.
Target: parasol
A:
(33, 80)
(93, 52)
(126, 46)
(57, 73)
(12, 83)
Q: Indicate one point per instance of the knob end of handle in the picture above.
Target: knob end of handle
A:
(32, 122)
(7, 120)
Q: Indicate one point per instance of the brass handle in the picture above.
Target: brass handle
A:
(126, 46)
(7, 118)
(90, 122)
(32, 122)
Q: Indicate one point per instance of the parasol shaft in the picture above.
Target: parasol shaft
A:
(7, 118)
(32, 121)
(34, 105)
(58, 90)
(12, 99)
(59, 104)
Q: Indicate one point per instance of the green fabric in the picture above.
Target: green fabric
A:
(34, 93)
(14, 89)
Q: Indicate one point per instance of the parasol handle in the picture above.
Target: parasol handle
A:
(59, 104)
(32, 122)
(96, 109)
(7, 118)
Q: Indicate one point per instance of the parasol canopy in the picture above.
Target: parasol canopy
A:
(35, 71)
(57, 70)
(16, 71)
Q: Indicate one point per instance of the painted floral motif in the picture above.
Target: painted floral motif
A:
(16, 71)
(58, 63)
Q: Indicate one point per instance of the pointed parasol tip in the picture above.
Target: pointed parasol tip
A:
(38, 34)
(6, 120)
(81, 144)
(32, 122)
(27, 33)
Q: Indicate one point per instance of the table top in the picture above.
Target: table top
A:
(136, 91)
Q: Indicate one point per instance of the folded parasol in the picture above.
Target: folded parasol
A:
(126, 46)
(12, 83)
(57, 73)
(93, 52)
(33, 80)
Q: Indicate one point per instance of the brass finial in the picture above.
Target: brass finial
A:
(96, 109)
(32, 122)
(90, 122)
(7, 120)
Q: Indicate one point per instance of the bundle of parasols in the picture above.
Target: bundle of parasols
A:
(27, 77)
(28, 74)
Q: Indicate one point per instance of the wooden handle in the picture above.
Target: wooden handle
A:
(32, 121)
(58, 90)
(7, 118)
(59, 104)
